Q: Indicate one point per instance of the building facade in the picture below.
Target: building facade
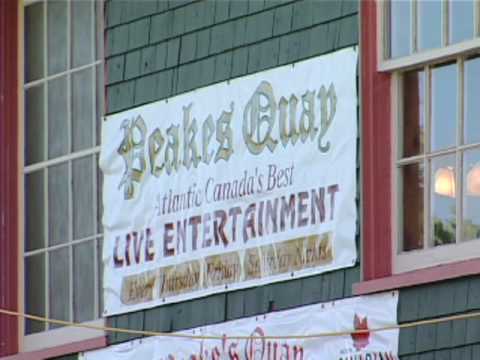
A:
(73, 62)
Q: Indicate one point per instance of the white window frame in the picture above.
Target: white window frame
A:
(440, 255)
(65, 335)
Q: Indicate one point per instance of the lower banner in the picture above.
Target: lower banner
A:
(340, 317)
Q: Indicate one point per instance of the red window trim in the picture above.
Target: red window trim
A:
(376, 151)
(418, 277)
(9, 177)
(71, 348)
(377, 239)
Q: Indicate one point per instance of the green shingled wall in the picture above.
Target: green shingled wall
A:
(453, 340)
(157, 49)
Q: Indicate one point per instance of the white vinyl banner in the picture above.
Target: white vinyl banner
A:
(233, 185)
(360, 313)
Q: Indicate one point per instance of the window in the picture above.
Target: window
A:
(432, 53)
(416, 26)
(63, 97)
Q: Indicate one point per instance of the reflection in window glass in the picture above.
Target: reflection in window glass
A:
(461, 20)
(412, 206)
(471, 199)
(400, 28)
(413, 112)
(444, 107)
(429, 22)
(472, 101)
(443, 204)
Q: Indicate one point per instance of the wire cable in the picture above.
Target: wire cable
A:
(438, 320)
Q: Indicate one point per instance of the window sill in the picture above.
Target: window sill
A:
(418, 277)
(61, 337)
(70, 348)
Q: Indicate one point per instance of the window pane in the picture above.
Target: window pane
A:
(34, 125)
(99, 197)
(57, 35)
(83, 282)
(34, 46)
(471, 199)
(99, 29)
(429, 24)
(82, 109)
(99, 101)
(444, 106)
(461, 20)
(443, 191)
(35, 291)
(100, 276)
(58, 204)
(400, 28)
(57, 117)
(412, 206)
(35, 211)
(472, 101)
(58, 287)
(413, 112)
(82, 32)
(83, 200)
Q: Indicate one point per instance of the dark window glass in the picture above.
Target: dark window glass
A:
(58, 200)
(413, 112)
(35, 291)
(57, 117)
(83, 197)
(82, 109)
(59, 288)
(83, 282)
(57, 36)
(82, 32)
(412, 206)
(35, 124)
(34, 41)
(35, 211)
